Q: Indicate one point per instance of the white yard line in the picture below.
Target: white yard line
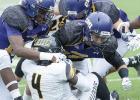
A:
(116, 80)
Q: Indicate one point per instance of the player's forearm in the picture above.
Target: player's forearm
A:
(17, 43)
(27, 53)
(135, 24)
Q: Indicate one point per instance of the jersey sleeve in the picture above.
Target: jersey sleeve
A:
(70, 71)
(110, 53)
(11, 31)
(115, 59)
(18, 70)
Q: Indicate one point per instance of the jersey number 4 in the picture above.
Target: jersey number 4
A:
(36, 84)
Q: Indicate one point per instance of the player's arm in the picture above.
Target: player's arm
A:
(114, 58)
(110, 53)
(135, 24)
(17, 44)
(15, 24)
(78, 80)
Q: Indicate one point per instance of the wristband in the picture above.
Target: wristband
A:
(45, 56)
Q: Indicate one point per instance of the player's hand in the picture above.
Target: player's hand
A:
(123, 27)
(126, 83)
(57, 57)
(134, 43)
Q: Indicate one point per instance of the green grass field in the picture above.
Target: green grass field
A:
(132, 7)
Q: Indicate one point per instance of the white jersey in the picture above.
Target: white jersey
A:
(51, 79)
(83, 66)
(93, 83)
(4, 63)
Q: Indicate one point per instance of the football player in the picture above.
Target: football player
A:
(82, 8)
(79, 12)
(80, 43)
(46, 78)
(32, 19)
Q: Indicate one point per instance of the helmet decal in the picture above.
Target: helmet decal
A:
(89, 23)
(87, 3)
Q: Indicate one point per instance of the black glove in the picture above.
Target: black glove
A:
(19, 98)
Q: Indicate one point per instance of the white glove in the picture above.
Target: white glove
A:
(134, 43)
(126, 83)
(123, 27)
(49, 56)
(60, 57)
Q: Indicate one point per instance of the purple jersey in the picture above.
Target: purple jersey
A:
(75, 38)
(81, 51)
(6, 30)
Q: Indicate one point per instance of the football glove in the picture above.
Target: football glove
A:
(123, 27)
(134, 43)
(126, 83)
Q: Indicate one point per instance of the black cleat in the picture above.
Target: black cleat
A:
(19, 98)
(135, 62)
(115, 95)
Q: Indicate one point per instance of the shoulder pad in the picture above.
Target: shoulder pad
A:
(72, 31)
(109, 8)
(15, 17)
